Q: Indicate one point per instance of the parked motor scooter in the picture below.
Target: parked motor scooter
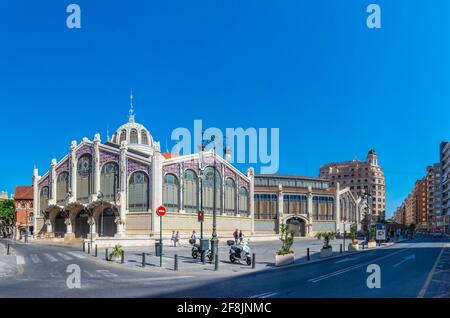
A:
(196, 252)
(240, 252)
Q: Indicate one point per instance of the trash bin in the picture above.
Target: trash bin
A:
(204, 245)
(157, 247)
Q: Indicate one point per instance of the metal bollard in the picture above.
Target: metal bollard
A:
(175, 265)
(84, 246)
(89, 248)
(106, 254)
(307, 254)
(143, 259)
(122, 257)
(253, 260)
(216, 262)
(340, 251)
(7, 249)
(203, 256)
(95, 250)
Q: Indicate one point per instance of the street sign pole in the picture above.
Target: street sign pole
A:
(161, 211)
(160, 241)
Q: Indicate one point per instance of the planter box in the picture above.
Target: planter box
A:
(115, 258)
(353, 247)
(326, 252)
(281, 260)
(372, 244)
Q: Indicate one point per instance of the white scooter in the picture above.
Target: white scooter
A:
(240, 252)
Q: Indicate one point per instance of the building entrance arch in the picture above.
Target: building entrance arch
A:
(297, 225)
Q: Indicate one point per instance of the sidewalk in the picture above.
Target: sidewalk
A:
(8, 263)
(264, 252)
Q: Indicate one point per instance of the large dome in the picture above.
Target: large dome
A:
(135, 134)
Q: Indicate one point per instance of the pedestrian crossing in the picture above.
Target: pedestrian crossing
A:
(42, 258)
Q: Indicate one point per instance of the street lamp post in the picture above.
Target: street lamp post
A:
(367, 196)
(100, 195)
(26, 222)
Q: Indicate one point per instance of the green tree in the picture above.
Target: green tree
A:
(7, 217)
(287, 239)
(326, 236)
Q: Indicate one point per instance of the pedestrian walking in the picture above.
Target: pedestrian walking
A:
(173, 238)
(177, 239)
(241, 237)
(193, 239)
(236, 236)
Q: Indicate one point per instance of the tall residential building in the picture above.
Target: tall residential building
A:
(445, 182)
(410, 211)
(420, 204)
(399, 215)
(361, 177)
(434, 196)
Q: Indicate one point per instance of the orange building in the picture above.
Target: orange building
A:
(23, 200)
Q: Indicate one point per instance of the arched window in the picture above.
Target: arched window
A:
(243, 201)
(230, 197)
(123, 135)
(84, 178)
(114, 138)
(171, 193)
(190, 193)
(133, 136)
(208, 190)
(144, 137)
(62, 187)
(109, 181)
(43, 199)
(138, 196)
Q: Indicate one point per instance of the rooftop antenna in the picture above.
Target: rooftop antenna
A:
(131, 112)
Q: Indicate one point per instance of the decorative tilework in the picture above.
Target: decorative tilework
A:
(134, 165)
(173, 168)
(63, 167)
(84, 150)
(106, 156)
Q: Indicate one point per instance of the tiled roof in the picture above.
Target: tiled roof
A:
(23, 192)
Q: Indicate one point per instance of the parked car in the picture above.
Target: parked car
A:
(438, 235)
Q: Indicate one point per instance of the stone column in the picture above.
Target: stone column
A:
(337, 206)
(36, 211)
(96, 158)
(280, 207)
(52, 198)
(181, 175)
(251, 176)
(309, 211)
(119, 227)
(123, 209)
(49, 228)
(73, 171)
(68, 223)
(157, 182)
(92, 226)
(222, 189)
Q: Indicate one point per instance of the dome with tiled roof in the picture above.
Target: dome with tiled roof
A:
(135, 134)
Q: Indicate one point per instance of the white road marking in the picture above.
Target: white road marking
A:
(345, 270)
(264, 295)
(344, 260)
(51, 258)
(106, 273)
(35, 258)
(152, 279)
(64, 256)
(407, 258)
(20, 260)
(91, 275)
(76, 254)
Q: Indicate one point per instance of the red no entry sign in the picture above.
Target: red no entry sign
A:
(161, 211)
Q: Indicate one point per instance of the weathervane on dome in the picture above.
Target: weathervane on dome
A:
(131, 112)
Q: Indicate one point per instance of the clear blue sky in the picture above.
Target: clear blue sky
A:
(312, 68)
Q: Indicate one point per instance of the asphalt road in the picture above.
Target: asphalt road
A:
(410, 269)
(407, 269)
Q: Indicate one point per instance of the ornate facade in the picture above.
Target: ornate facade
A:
(112, 190)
